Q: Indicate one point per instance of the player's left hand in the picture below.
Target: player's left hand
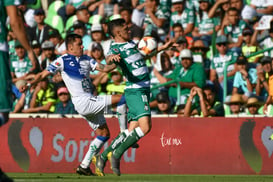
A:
(113, 58)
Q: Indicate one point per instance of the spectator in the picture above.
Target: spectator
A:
(200, 55)
(189, 74)
(116, 84)
(266, 42)
(248, 48)
(99, 79)
(208, 105)
(58, 42)
(191, 103)
(40, 31)
(245, 79)
(20, 63)
(180, 110)
(214, 107)
(233, 27)
(108, 8)
(218, 63)
(136, 31)
(36, 48)
(262, 6)
(178, 31)
(71, 6)
(27, 92)
(253, 106)
(264, 74)
(48, 54)
(155, 20)
(65, 105)
(11, 38)
(166, 68)
(219, 9)
(238, 4)
(98, 35)
(182, 14)
(205, 26)
(79, 28)
(83, 15)
(181, 43)
(235, 105)
(43, 99)
(164, 104)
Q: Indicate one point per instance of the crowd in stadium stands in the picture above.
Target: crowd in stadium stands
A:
(218, 59)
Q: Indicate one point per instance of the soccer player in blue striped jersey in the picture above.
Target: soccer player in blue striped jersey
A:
(75, 68)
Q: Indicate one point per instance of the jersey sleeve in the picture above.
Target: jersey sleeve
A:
(55, 66)
(93, 64)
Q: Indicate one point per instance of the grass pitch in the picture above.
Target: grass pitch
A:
(67, 177)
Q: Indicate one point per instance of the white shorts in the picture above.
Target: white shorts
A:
(92, 108)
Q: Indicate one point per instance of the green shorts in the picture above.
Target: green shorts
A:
(137, 101)
(5, 83)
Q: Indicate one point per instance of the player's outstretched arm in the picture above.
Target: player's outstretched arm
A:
(40, 76)
(165, 46)
(105, 68)
(110, 59)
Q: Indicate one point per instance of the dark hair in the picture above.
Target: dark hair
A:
(164, 56)
(233, 9)
(178, 25)
(209, 87)
(129, 10)
(70, 38)
(113, 24)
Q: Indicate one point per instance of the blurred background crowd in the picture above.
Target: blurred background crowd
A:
(221, 64)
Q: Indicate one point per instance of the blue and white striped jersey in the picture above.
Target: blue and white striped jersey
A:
(75, 73)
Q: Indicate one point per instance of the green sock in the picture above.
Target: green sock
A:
(115, 143)
(129, 141)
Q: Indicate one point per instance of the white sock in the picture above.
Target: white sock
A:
(139, 132)
(93, 149)
(122, 117)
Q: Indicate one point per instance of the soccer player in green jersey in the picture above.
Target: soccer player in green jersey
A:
(8, 9)
(124, 53)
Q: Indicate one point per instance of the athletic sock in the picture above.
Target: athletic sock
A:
(93, 149)
(122, 114)
(115, 143)
(132, 138)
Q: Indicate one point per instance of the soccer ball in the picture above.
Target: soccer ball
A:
(147, 45)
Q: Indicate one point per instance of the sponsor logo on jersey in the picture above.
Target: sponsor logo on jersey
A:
(71, 63)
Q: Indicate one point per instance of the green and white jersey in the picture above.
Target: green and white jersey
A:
(235, 31)
(20, 67)
(219, 62)
(184, 19)
(132, 64)
(161, 15)
(3, 19)
(206, 24)
(267, 43)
